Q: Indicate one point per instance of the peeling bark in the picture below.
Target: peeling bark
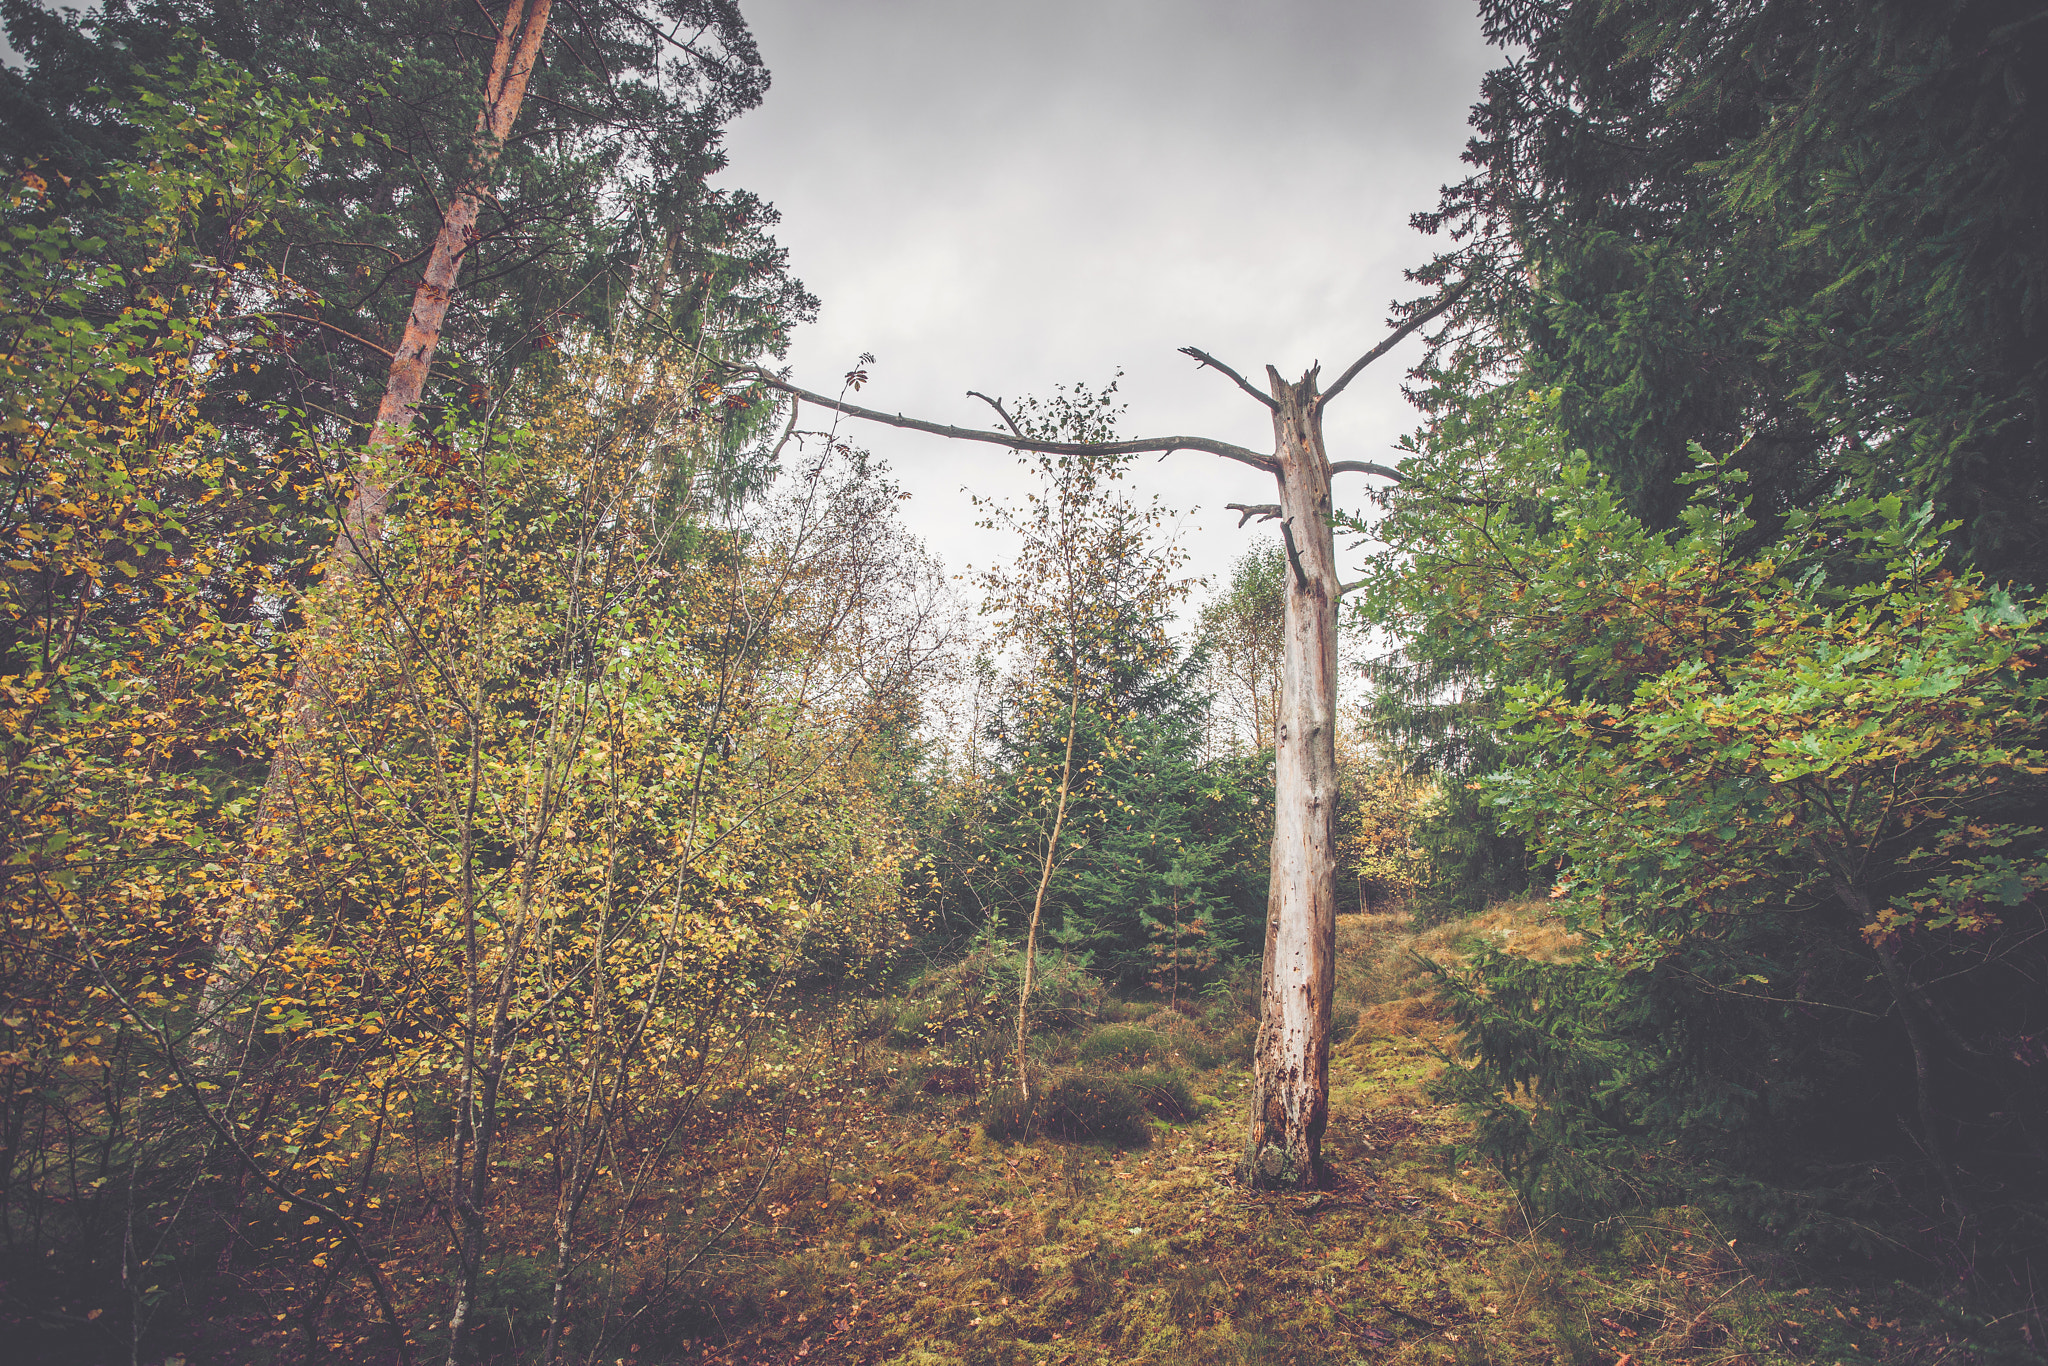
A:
(1291, 1066)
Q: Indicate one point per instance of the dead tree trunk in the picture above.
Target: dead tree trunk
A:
(350, 569)
(1291, 1068)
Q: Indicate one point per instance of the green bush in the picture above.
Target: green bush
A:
(1124, 1046)
(1166, 1093)
(1240, 1042)
(1082, 1106)
(1200, 1052)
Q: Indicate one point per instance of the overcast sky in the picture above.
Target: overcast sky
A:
(1008, 196)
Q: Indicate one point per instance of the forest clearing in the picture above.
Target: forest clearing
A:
(516, 848)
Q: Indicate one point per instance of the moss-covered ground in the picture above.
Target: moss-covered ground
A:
(893, 1229)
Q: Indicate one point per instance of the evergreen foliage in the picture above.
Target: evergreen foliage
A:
(1473, 481)
(1793, 800)
(600, 196)
(1160, 851)
(1813, 230)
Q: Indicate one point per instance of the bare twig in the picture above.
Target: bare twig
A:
(997, 404)
(1411, 1318)
(1394, 339)
(1202, 357)
(1265, 512)
(384, 351)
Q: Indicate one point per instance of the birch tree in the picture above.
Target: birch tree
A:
(1086, 600)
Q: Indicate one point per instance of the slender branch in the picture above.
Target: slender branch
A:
(1265, 463)
(745, 1205)
(1394, 339)
(1294, 555)
(1366, 467)
(787, 432)
(1344, 588)
(1204, 358)
(1052, 849)
(384, 351)
(997, 404)
(1265, 512)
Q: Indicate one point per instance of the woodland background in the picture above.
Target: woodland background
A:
(664, 763)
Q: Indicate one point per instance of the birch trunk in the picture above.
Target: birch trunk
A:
(1291, 1067)
(350, 569)
(1052, 848)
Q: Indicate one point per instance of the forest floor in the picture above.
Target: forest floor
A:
(894, 1230)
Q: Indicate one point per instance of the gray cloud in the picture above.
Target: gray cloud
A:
(1008, 196)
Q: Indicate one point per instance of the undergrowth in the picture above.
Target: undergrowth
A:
(876, 1191)
(1098, 1222)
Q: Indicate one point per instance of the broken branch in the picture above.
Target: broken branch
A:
(1265, 512)
(1294, 555)
(1366, 467)
(1202, 357)
(1265, 463)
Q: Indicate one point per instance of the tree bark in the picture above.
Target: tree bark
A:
(246, 933)
(1291, 1067)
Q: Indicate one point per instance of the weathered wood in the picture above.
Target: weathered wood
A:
(1291, 1066)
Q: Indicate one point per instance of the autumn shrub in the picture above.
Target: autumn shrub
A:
(136, 538)
(1795, 794)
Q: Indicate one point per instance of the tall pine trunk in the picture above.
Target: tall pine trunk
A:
(1291, 1067)
(350, 570)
